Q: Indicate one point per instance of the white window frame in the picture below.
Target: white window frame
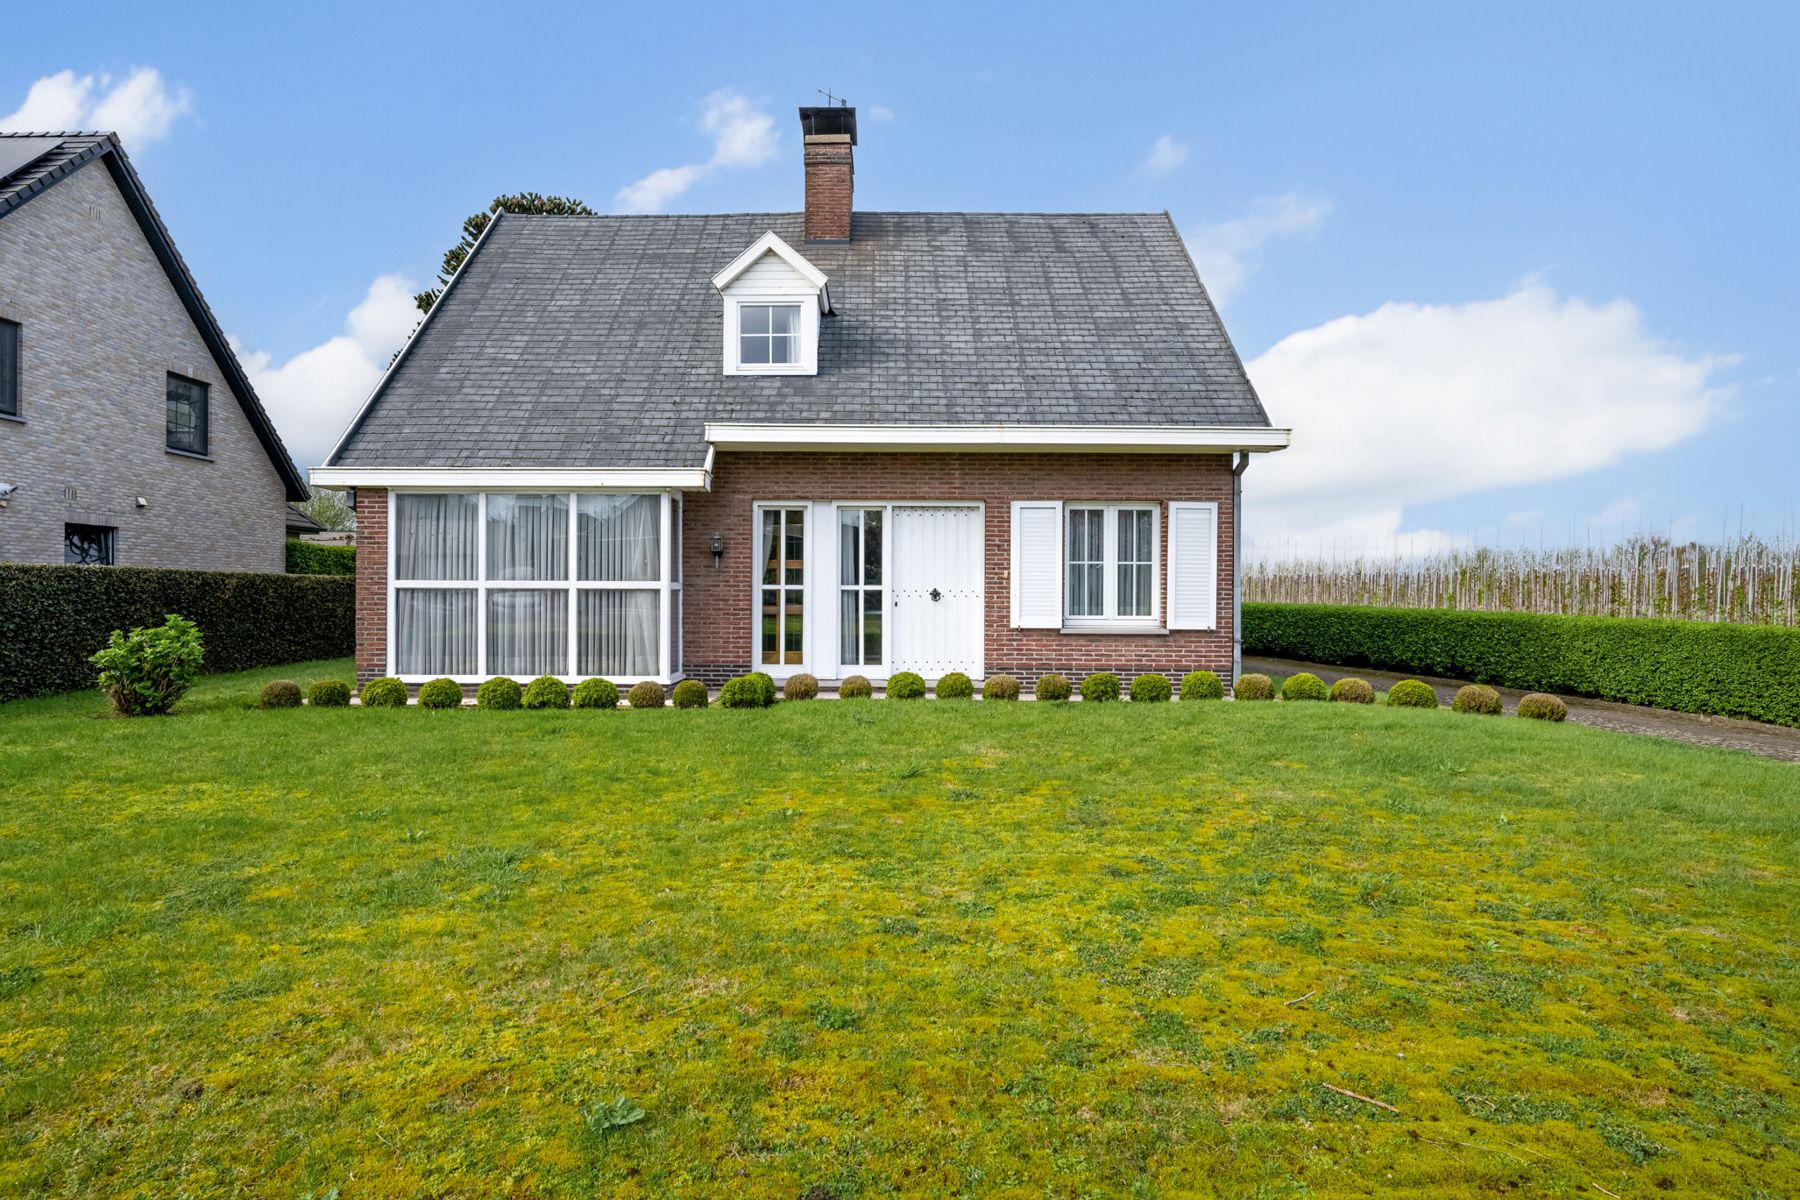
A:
(1110, 620)
(806, 360)
(666, 585)
(809, 576)
(881, 669)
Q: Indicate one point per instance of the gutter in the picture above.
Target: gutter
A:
(1237, 567)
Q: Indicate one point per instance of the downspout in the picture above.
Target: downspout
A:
(1237, 566)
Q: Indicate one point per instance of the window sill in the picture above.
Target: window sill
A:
(187, 454)
(1119, 630)
(13, 417)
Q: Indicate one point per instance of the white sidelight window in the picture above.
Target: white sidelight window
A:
(1111, 565)
(526, 584)
(862, 590)
(781, 586)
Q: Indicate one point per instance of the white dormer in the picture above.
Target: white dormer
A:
(773, 301)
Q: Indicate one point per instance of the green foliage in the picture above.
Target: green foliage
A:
(755, 690)
(1151, 689)
(1100, 687)
(800, 687)
(1202, 685)
(689, 693)
(955, 686)
(1054, 687)
(145, 672)
(500, 694)
(1253, 687)
(309, 558)
(281, 693)
(546, 691)
(1303, 685)
(1411, 693)
(855, 687)
(1000, 687)
(385, 692)
(1476, 698)
(596, 693)
(328, 693)
(1537, 706)
(52, 617)
(330, 508)
(906, 685)
(648, 694)
(1748, 671)
(1351, 690)
(604, 1118)
(474, 226)
(441, 693)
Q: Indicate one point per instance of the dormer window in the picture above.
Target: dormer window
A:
(768, 334)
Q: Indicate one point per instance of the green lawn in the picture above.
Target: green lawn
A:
(858, 950)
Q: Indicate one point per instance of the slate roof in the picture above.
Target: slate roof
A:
(61, 155)
(596, 341)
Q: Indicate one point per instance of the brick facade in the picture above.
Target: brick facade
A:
(371, 583)
(101, 327)
(830, 181)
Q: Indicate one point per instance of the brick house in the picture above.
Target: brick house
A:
(128, 431)
(831, 441)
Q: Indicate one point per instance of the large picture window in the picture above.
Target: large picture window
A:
(1111, 564)
(529, 584)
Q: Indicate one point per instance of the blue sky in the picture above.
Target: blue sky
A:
(1511, 275)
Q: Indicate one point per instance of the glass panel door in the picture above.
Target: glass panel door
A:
(862, 548)
(781, 635)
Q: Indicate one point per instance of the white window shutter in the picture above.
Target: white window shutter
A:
(1193, 565)
(1037, 564)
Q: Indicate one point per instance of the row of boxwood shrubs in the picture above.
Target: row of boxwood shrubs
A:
(1476, 698)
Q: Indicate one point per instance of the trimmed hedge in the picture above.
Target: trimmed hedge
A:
(1748, 671)
(54, 617)
(306, 558)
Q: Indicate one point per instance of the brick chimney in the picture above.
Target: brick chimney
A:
(829, 135)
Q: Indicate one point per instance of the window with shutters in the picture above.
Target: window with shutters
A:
(1110, 564)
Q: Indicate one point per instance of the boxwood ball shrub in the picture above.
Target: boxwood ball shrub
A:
(441, 693)
(999, 687)
(328, 693)
(146, 671)
(1541, 707)
(1100, 687)
(386, 692)
(1151, 689)
(283, 693)
(747, 691)
(596, 693)
(800, 687)
(1303, 686)
(546, 691)
(1410, 693)
(1350, 690)
(955, 686)
(1477, 698)
(648, 694)
(501, 694)
(1202, 685)
(855, 687)
(906, 685)
(763, 685)
(689, 693)
(1053, 688)
(1253, 687)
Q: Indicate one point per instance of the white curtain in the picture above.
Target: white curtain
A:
(434, 536)
(618, 539)
(527, 538)
(527, 632)
(434, 631)
(616, 632)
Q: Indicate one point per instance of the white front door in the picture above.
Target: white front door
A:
(935, 592)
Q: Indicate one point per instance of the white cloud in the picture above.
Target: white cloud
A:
(1164, 156)
(743, 136)
(140, 108)
(1226, 253)
(313, 395)
(1417, 403)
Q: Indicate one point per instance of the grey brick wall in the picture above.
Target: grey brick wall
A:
(101, 328)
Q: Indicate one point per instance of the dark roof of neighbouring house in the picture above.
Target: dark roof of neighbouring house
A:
(25, 175)
(298, 521)
(596, 341)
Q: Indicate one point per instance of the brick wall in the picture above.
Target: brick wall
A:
(371, 583)
(830, 180)
(718, 608)
(101, 327)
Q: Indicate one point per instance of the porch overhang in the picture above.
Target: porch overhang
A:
(1049, 439)
(525, 479)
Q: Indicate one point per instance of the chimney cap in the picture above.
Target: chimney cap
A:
(829, 120)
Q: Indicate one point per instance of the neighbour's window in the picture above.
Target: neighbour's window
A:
(768, 334)
(1110, 564)
(186, 415)
(88, 545)
(9, 368)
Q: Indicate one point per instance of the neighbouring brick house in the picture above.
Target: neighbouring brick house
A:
(128, 432)
(830, 441)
